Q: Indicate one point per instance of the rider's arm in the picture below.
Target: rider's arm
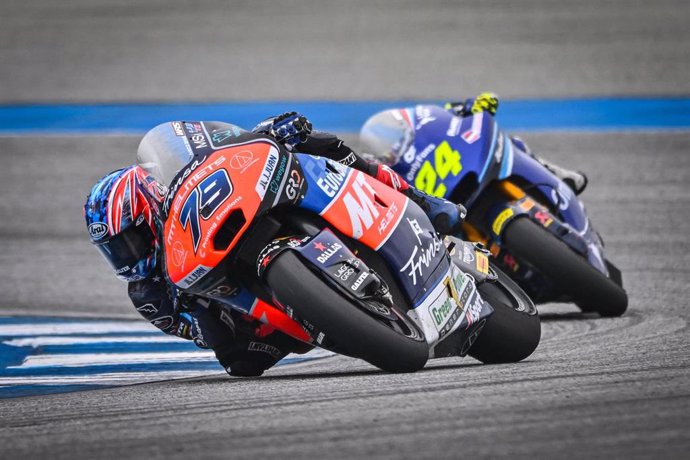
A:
(187, 317)
(153, 299)
(295, 132)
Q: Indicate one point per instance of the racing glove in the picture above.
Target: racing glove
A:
(485, 102)
(290, 129)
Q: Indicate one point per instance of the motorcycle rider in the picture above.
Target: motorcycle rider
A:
(381, 134)
(122, 214)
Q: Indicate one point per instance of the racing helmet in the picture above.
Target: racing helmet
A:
(120, 221)
(388, 134)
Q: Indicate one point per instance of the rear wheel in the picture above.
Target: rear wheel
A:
(394, 346)
(569, 272)
(513, 332)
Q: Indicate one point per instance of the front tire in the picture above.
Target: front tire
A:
(513, 332)
(348, 326)
(570, 273)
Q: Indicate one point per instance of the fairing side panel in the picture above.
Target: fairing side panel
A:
(555, 190)
(367, 210)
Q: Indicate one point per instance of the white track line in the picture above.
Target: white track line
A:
(103, 359)
(65, 328)
(42, 341)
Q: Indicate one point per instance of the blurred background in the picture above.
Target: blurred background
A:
(83, 54)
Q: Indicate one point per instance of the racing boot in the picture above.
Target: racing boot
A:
(576, 180)
(445, 216)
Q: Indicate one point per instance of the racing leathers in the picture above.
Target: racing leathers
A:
(243, 346)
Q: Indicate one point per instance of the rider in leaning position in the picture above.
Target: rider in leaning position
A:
(389, 137)
(123, 218)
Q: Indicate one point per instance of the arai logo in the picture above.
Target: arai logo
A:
(98, 230)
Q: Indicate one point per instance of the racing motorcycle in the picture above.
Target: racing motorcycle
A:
(534, 225)
(327, 254)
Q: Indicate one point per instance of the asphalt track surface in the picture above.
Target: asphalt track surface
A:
(594, 388)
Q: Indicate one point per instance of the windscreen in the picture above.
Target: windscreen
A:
(163, 151)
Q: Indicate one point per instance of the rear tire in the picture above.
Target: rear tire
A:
(350, 328)
(513, 332)
(570, 273)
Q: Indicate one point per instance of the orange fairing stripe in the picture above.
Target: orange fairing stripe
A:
(472, 233)
(511, 190)
(268, 314)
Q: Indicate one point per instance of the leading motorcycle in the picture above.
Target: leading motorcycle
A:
(327, 254)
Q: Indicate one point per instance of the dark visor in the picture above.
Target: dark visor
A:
(126, 249)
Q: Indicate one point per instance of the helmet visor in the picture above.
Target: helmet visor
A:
(124, 250)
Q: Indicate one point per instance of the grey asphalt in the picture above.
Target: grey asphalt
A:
(617, 388)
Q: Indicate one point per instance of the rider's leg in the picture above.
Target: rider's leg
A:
(444, 215)
(576, 180)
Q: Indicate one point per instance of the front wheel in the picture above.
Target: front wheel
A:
(398, 347)
(570, 273)
(513, 332)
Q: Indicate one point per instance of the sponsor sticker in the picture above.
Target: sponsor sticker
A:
(266, 173)
(327, 252)
(264, 348)
(242, 160)
(330, 182)
(358, 282)
(501, 219)
(482, 263)
(98, 230)
(147, 309)
(194, 276)
(473, 134)
(163, 323)
(421, 258)
(543, 218)
(442, 313)
(454, 127)
(177, 128)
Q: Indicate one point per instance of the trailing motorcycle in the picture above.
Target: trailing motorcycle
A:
(534, 225)
(326, 253)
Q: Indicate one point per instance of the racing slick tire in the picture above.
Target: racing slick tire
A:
(354, 331)
(513, 332)
(570, 273)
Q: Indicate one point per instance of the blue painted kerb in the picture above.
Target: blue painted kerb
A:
(598, 114)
